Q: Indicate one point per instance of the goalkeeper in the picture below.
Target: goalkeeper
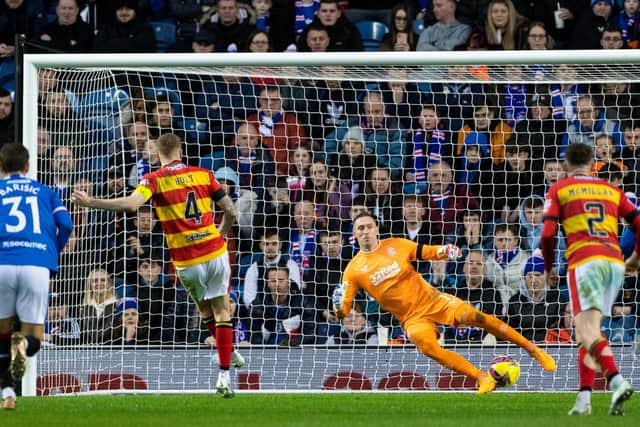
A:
(383, 269)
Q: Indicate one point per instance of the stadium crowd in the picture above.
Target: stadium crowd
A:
(442, 162)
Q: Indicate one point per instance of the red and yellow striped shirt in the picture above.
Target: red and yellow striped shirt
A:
(588, 209)
(183, 197)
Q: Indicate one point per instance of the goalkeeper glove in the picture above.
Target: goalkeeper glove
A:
(337, 297)
(450, 252)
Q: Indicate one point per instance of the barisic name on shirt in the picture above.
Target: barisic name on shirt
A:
(25, 188)
(384, 273)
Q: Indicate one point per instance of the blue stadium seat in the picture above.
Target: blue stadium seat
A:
(213, 160)
(197, 131)
(98, 103)
(372, 33)
(165, 35)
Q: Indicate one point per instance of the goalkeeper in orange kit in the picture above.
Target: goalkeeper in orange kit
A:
(383, 269)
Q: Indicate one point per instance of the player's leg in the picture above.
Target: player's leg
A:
(424, 334)
(593, 288)
(8, 291)
(465, 314)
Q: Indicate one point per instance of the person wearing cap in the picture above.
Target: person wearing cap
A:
(534, 309)
(589, 25)
(128, 326)
(127, 33)
(204, 41)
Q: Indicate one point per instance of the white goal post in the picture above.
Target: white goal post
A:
(186, 366)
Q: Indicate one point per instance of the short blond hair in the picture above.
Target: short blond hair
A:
(168, 144)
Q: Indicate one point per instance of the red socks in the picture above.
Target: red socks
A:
(224, 343)
(586, 375)
(607, 364)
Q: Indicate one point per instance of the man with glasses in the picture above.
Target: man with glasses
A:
(343, 34)
(447, 32)
(612, 38)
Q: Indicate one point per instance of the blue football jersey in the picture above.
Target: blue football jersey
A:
(30, 215)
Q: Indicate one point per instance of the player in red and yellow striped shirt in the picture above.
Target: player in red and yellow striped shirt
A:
(183, 197)
(588, 209)
(383, 269)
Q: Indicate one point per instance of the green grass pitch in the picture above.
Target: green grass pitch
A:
(319, 409)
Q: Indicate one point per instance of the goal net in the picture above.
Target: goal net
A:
(448, 148)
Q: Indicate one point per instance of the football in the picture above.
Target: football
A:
(505, 370)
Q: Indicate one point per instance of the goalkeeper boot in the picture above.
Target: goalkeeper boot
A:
(18, 356)
(582, 405)
(620, 395)
(486, 384)
(223, 386)
(545, 360)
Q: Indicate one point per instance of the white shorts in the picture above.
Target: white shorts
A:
(24, 290)
(595, 285)
(207, 280)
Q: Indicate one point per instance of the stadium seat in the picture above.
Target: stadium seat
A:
(49, 384)
(248, 381)
(197, 131)
(371, 33)
(347, 380)
(213, 160)
(455, 382)
(403, 380)
(165, 35)
(99, 103)
(116, 381)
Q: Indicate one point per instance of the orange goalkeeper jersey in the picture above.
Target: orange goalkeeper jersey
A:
(387, 275)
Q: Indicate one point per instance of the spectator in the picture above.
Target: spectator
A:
(128, 33)
(322, 190)
(628, 21)
(535, 308)
(492, 132)
(544, 11)
(590, 24)
(381, 197)
(323, 276)
(63, 172)
(284, 317)
(44, 152)
(540, 130)
(471, 233)
(400, 30)
(537, 37)
(145, 236)
(513, 96)
(413, 226)
(508, 183)
(621, 325)
(590, 122)
(263, 14)
(60, 120)
(354, 330)
(604, 151)
(128, 326)
(301, 161)
(127, 155)
(619, 100)
(506, 264)
(565, 95)
(611, 38)
(403, 99)
(553, 172)
(505, 27)
(316, 38)
(447, 32)
(531, 222)
(254, 283)
(303, 234)
(474, 288)
(343, 34)
(562, 332)
(204, 41)
(60, 328)
(454, 98)
(6, 118)
(230, 26)
(472, 166)
(305, 12)
(68, 33)
(281, 131)
(98, 308)
(187, 14)
(446, 201)
(147, 161)
(258, 42)
(275, 210)
(631, 154)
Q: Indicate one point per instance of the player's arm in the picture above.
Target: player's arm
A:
(630, 213)
(438, 252)
(128, 203)
(226, 204)
(65, 227)
(549, 230)
(343, 295)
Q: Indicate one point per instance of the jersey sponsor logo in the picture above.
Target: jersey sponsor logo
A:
(197, 236)
(384, 273)
(24, 244)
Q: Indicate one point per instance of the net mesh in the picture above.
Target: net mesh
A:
(440, 154)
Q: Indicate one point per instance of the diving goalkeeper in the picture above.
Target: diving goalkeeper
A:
(383, 269)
